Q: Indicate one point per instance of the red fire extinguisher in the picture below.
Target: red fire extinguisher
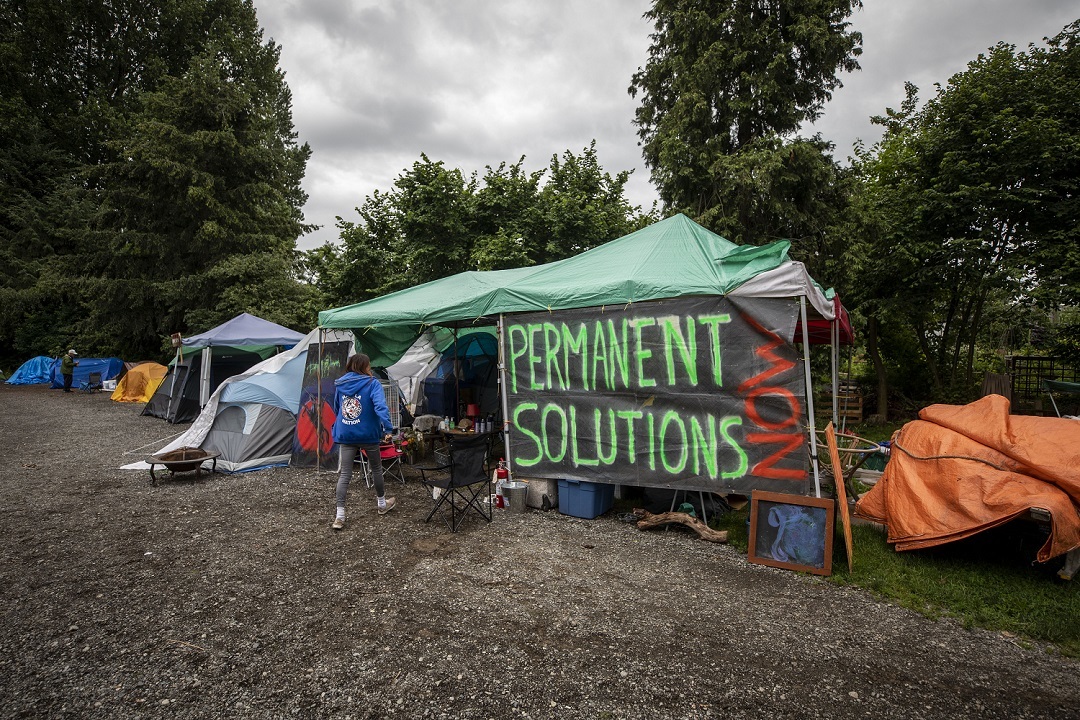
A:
(502, 475)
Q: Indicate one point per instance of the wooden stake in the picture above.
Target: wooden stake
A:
(841, 492)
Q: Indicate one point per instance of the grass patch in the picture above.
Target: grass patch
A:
(987, 581)
(876, 433)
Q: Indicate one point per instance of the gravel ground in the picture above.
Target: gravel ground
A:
(231, 596)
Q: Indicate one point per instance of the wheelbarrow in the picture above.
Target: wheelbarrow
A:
(185, 459)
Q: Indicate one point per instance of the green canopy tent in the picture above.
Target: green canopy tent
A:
(1060, 386)
(672, 258)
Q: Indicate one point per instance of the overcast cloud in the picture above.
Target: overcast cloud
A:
(470, 83)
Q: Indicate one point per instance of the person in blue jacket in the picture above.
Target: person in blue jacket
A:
(361, 421)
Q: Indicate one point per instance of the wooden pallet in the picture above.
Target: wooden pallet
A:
(849, 402)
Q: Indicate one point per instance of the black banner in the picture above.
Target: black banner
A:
(313, 443)
(698, 393)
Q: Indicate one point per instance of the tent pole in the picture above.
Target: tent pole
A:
(834, 356)
(318, 405)
(809, 395)
(1053, 402)
(457, 379)
(503, 385)
(178, 363)
(204, 379)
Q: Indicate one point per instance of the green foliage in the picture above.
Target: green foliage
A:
(964, 216)
(149, 156)
(581, 205)
(726, 84)
(1066, 340)
(436, 222)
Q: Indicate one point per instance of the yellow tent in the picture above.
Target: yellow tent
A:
(140, 382)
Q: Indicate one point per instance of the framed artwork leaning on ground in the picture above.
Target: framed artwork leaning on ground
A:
(791, 531)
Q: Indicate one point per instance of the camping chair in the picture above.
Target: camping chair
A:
(1062, 387)
(392, 468)
(462, 484)
(92, 383)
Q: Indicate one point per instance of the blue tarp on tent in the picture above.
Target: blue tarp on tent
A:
(108, 367)
(37, 370)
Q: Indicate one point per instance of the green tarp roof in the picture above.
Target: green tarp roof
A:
(671, 258)
(1061, 386)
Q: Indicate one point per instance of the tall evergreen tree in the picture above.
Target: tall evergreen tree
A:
(176, 199)
(727, 84)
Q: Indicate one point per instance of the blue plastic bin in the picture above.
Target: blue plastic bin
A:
(585, 499)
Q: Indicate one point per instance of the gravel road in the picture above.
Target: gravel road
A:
(230, 596)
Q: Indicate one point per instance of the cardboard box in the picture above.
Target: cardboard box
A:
(585, 499)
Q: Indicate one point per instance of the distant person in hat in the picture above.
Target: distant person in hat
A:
(67, 368)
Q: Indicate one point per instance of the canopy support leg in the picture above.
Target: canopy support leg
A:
(834, 356)
(809, 396)
(318, 405)
(503, 385)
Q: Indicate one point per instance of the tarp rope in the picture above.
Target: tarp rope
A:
(913, 456)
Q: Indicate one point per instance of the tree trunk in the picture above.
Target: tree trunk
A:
(974, 329)
(879, 368)
(931, 357)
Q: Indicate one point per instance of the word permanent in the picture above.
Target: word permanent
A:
(614, 354)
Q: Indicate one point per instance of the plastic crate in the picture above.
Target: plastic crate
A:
(585, 499)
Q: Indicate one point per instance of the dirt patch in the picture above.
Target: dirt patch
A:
(229, 595)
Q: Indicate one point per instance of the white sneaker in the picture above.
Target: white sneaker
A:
(339, 523)
(390, 503)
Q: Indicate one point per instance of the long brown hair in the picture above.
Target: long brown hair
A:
(359, 364)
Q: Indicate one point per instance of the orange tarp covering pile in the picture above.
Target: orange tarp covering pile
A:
(961, 469)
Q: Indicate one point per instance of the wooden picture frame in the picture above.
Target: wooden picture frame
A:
(792, 531)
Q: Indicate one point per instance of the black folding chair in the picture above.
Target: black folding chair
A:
(92, 383)
(461, 485)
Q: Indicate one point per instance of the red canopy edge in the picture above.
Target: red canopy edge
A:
(820, 329)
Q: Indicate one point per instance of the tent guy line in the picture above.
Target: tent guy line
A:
(155, 442)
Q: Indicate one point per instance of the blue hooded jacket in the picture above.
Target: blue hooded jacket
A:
(361, 415)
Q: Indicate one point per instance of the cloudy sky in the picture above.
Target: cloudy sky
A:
(470, 83)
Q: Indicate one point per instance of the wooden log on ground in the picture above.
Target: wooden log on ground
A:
(650, 520)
